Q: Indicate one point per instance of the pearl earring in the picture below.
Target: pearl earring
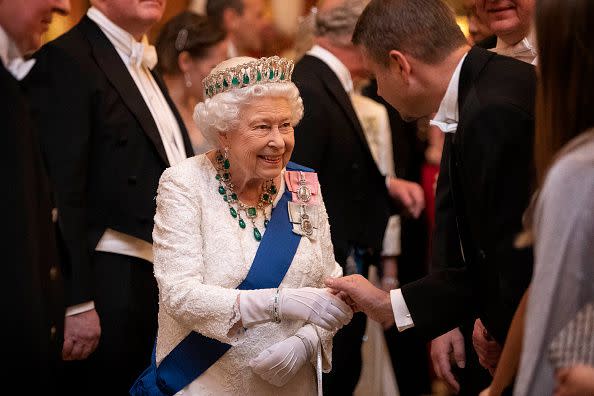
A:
(188, 80)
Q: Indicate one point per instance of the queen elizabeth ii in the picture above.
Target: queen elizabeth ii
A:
(241, 248)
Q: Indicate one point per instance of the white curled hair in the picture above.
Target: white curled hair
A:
(220, 114)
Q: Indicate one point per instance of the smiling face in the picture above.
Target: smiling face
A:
(263, 141)
(508, 19)
(26, 21)
(134, 16)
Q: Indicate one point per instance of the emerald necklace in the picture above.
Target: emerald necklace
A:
(236, 207)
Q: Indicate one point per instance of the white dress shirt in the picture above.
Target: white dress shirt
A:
(11, 57)
(447, 116)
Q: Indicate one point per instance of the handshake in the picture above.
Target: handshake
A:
(330, 309)
(320, 307)
(362, 296)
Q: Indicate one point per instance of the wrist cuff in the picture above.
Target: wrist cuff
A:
(310, 339)
(256, 306)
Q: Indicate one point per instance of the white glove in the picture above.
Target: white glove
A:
(279, 363)
(317, 306)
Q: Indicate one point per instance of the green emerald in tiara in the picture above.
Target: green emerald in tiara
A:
(261, 71)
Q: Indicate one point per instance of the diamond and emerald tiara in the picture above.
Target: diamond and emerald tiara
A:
(263, 70)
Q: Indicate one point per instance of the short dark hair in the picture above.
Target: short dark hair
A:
(216, 8)
(426, 29)
(189, 32)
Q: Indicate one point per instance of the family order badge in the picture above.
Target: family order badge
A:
(303, 210)
(303, 192)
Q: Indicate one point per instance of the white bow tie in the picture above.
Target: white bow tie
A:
(523, 51)
(516, 50)
(143, 54)
(19, 67)
(446, 127)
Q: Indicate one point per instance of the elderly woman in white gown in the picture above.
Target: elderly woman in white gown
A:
(242, 245)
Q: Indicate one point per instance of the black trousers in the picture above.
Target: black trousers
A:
(126, 299)
(408, 353)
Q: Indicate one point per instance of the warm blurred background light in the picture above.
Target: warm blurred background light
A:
(283, 16)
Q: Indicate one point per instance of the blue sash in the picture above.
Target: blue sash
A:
(196, 353)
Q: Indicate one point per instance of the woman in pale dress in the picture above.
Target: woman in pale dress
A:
(242, 246)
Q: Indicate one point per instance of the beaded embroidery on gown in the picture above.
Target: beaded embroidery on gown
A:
(201, 255)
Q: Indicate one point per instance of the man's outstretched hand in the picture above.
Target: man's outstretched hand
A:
(363, 296)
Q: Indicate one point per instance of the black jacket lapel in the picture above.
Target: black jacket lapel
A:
(468, 103)
(180, 122)
(474, 63)
(336, 89)
(109, 61)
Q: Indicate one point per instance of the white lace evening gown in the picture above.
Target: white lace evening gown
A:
(201, 256)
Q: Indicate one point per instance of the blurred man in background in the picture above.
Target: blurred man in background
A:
(32, 291)
(243, 20)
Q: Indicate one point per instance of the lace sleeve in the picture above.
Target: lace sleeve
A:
(333, 270)
(178, 263)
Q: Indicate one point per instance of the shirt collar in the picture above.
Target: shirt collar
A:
(123, 41)
(341, 71)
(231, 50)
(8, 48)
(11, 57)
(524, 50)
(447, 115)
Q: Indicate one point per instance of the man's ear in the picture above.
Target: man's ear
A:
(400, 64)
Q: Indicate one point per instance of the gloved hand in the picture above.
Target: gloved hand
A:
(317, 306)
(279, 363)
